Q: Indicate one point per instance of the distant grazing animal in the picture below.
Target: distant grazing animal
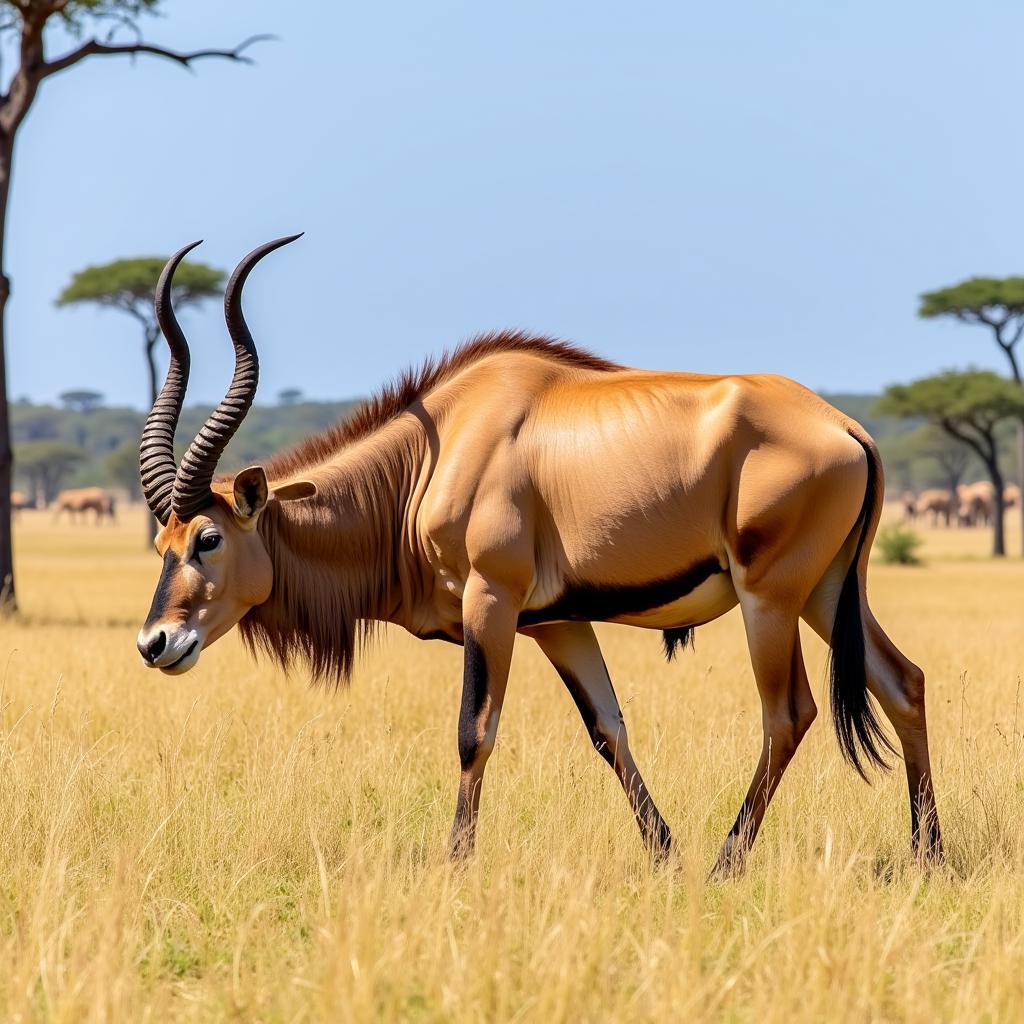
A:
(82, 500)
(909, 502)
(941, 504)
(521, 485)
(977, 503)
(19, 501)
(1011, 496)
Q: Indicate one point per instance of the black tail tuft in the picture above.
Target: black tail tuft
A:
(674, 638)
(861, 737)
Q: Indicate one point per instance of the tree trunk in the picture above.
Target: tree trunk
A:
(998, 508)
(7, 596)
(31, 69)
(8, 602)
(1020, 478)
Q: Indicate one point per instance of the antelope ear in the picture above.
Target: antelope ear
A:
(296, 491)
(250, 492)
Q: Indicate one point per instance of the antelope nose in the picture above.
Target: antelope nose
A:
(151, 647)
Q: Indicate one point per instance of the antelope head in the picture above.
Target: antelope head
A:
(215, 563)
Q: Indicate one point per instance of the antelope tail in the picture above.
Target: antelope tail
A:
(861, 736)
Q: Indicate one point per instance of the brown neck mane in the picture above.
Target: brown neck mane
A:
(334, 560)
(414, 384)
(335, 557)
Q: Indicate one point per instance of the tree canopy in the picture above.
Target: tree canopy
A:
(978, 298)
(996, 302)
(289, 396)
(81, 400)
(129, 284)
(972, 398)
(74, 13)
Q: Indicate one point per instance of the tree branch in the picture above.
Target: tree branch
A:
(1007, 347)
(1018, 332)
(129, 307)
(94, 48)
(120, 21)
(953, 429)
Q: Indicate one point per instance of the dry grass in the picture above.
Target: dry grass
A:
(232, 845)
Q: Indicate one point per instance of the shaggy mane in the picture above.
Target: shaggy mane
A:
(316, 615)
(396, 397)
(322, 605)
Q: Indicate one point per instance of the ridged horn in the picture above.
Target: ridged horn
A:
(195, 474)
(157, 465)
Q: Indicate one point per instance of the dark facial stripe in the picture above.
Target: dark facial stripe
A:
(163, 592)
(596, 603)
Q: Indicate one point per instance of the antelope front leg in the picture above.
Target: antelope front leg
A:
(489, 626)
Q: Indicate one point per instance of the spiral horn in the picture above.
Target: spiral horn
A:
(191, 491)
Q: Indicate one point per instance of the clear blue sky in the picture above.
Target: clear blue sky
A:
(735, 187)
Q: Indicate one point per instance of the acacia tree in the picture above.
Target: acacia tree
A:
(995, 303)
(128, 285)
(81, 400)
(969, 407)
(33, 23)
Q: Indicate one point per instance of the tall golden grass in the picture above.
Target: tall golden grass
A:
(232, 845)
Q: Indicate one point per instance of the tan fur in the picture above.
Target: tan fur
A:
(396, 398)
(521, 483)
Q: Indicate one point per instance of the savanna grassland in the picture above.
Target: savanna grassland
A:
(232, 845)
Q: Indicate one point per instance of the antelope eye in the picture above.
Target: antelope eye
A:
(208, 542)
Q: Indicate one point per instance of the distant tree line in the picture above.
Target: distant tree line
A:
(83, 442)
(72, 445)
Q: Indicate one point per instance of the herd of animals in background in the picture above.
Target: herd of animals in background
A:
(80, 502)
(77, 504)
(969, 505)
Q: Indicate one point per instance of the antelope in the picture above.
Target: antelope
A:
(523, 486)
(909, 502)
(939, 502)
(84, 499)
(977, 503)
